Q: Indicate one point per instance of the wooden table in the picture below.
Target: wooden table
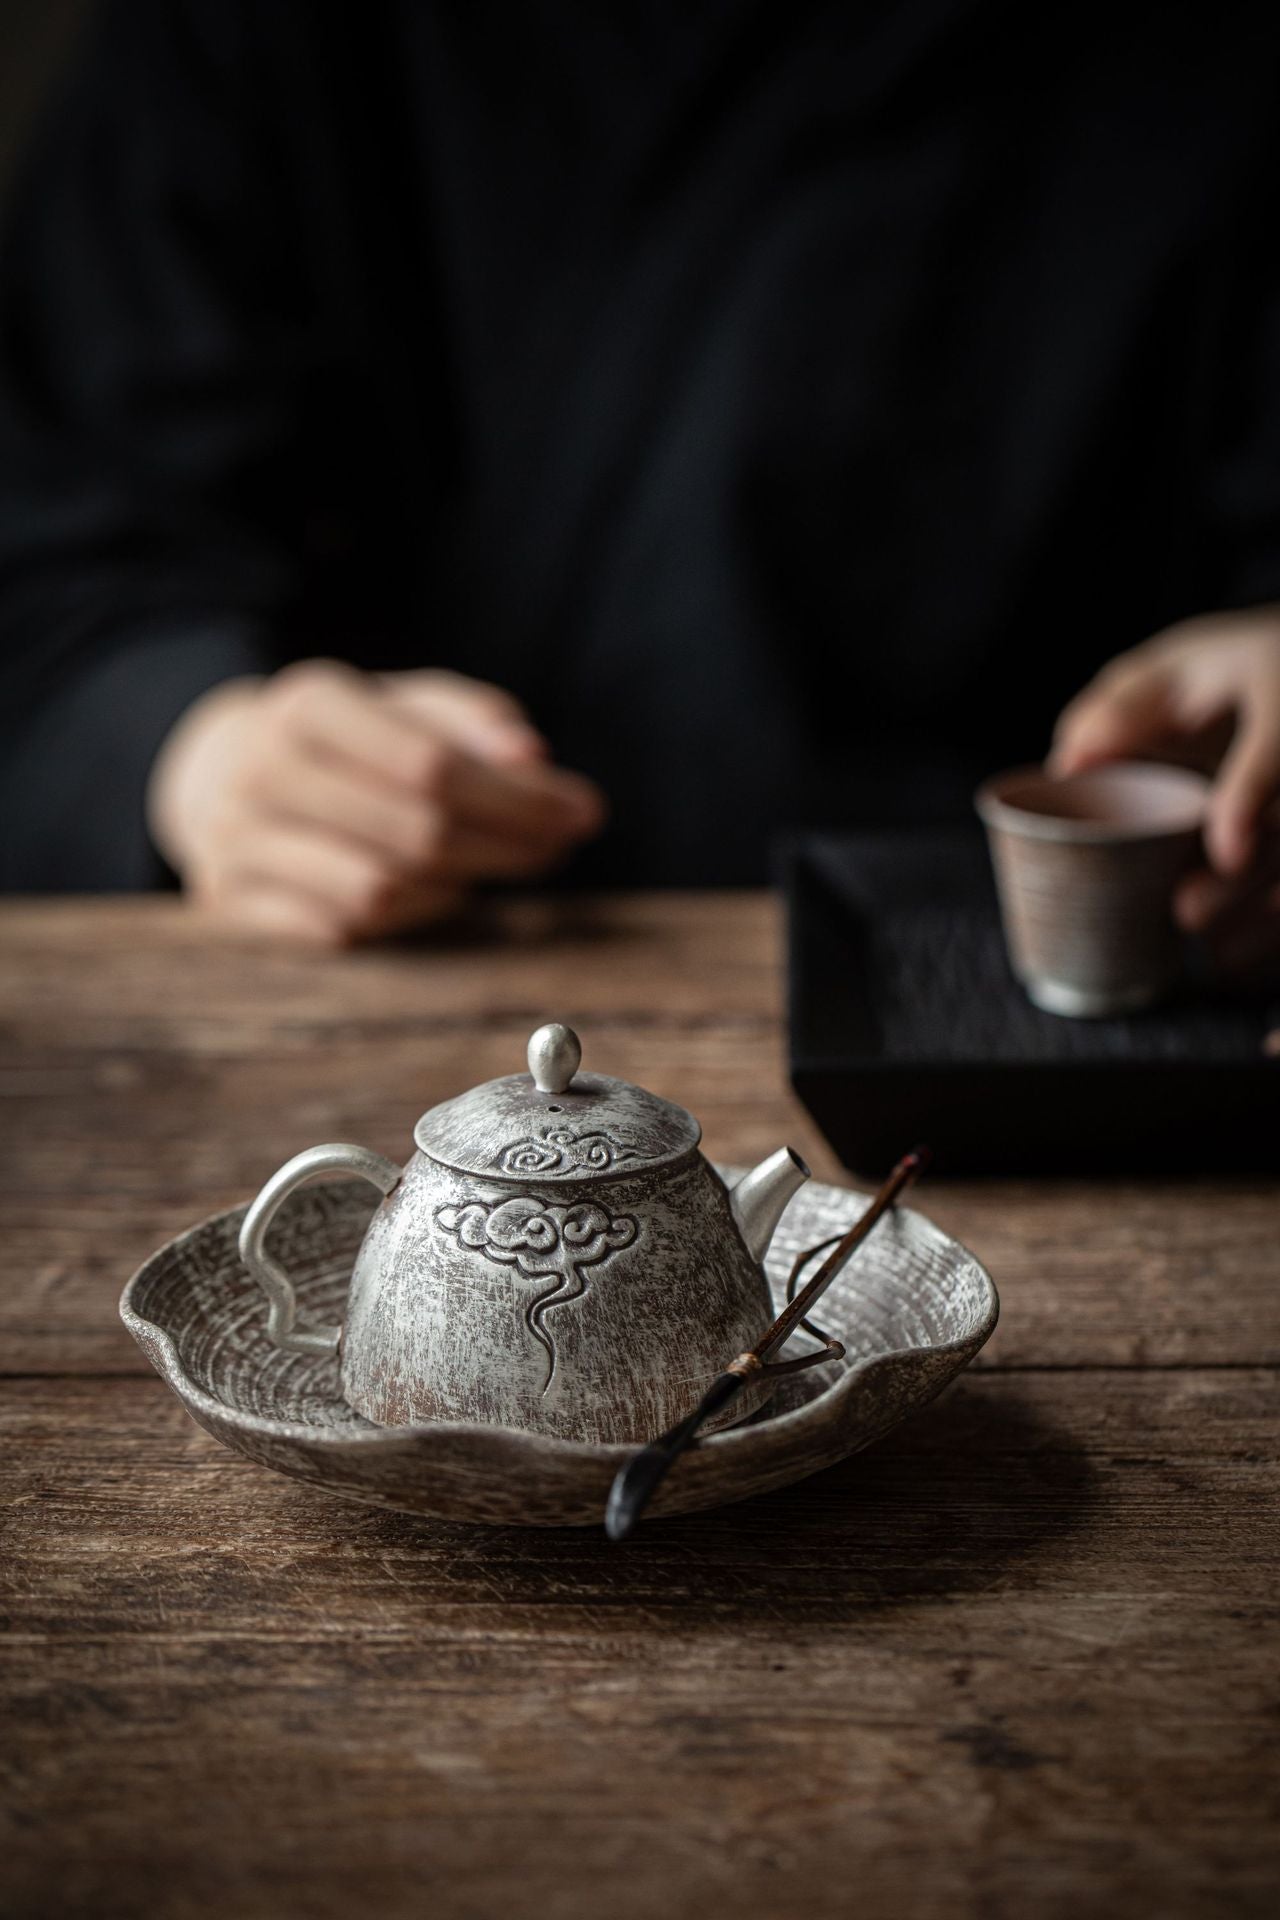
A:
(1020, 1659)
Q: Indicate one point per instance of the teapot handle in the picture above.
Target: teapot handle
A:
(271, 1276)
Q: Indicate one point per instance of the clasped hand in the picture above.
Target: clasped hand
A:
(326, 805)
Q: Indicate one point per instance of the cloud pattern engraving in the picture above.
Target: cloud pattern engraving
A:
(544, 1242)
(562, 1151)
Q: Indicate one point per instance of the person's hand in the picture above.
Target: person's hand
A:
(327, 805)
(1206, 693)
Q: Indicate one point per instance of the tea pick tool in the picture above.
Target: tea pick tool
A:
(637, 1481)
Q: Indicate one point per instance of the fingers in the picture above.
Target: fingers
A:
(499, 782)
(348, 882)
(1128, 708)
(482, 719)
(525, 803)
(412, 839)
(274, 912)
(326, 805)
(1238, 916)
(294, 881)
(1243, 935)
(1247, 949)
(1215, 676)
(358, 888)
(306, 789)
(1202, 897)
(419, 904)
(1248, 779)
(1207, 895)
(339, 715)
(270, 908)
(463, 853)
(332, 710)
(486, 823)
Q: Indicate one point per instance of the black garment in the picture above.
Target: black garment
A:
(793, 404)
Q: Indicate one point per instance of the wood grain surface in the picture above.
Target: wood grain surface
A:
(1020, 1658)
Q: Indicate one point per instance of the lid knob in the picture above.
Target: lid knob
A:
(555, 1054)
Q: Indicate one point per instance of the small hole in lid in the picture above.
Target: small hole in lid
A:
(554, 1109)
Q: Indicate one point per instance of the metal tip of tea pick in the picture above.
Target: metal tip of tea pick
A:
(632, 1486)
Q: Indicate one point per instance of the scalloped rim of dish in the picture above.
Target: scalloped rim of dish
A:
(168, 1363)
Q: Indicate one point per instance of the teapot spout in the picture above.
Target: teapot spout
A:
(757, 1201)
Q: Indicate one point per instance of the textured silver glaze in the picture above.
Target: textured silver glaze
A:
(557, 1258)
(912, 1309)
(559, 1150)
(589, 1309)
(546, 1242)
(486, 1130)
(758, 1199)
(337, 1157)
(554, 1055)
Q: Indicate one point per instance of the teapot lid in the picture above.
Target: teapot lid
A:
(556, 1122)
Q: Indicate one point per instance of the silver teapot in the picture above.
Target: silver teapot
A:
(557, 1256)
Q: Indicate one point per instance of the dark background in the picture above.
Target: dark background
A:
(35, 36)
(809, 438)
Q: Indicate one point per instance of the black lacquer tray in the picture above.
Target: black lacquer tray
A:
(907, 1024)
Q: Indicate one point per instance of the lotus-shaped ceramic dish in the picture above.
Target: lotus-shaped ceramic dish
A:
(912, 1308)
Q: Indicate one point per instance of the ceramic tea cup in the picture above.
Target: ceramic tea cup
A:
(1085, 869)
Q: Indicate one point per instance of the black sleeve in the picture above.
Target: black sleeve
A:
(1239, 397)
(1245, 475)
(154, 339)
